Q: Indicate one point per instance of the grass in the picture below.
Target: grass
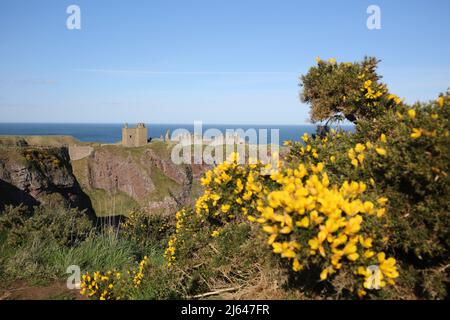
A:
(106, 205)
(163, 185)
(103, 252)
(13, 154)
(34, 258)
(233, 259)
(41, 260)
(48, 141)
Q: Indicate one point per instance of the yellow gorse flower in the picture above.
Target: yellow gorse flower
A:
(381, 151)
(359, 148)
(412, 113)
(225, 208)
(416, 133)
(305, 137)
(306, 200)
(102, 285)
(395, 98)
(215, 234)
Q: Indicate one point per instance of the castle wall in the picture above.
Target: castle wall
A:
(141, 136)
(127, 137)
(134, 137)
(79, 152)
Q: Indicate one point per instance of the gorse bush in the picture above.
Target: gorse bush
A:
(65, 226)
(143, 227)
(12, 222)
(203, 259)
(336, 228)
(403, 156)
(364, 212)
(345, 90)
(414, 175)
(310, 223)
(232, 192)
(112, 285)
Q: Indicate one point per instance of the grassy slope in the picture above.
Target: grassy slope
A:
(48, 141)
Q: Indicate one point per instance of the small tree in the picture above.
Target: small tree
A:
(352, 91)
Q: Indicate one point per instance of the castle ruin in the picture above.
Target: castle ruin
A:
(134, 137)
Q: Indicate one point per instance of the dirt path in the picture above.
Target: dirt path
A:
(21, 290)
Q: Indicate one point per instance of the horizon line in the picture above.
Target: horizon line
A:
(159, 123)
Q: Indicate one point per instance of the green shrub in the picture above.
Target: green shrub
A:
(404, 156)
(147, 228)
(28, 261)
(158, 282)
(400, 156)
(236, 258)
(100, 252)
(351, 91)
(66, 226)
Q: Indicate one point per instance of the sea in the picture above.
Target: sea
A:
(111, 133)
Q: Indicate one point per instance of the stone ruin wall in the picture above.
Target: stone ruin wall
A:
(79, 152)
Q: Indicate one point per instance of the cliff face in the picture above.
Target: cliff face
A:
(118, 179)
(111, 172)
(107, 180)
(43, 175)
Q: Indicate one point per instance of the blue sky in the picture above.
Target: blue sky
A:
(223, 61)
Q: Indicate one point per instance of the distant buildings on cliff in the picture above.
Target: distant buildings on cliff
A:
(138, 137)
(134, 137)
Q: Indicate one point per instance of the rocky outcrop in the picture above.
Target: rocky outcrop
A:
(38, 175)
(107, 179)
(111, 172)
(146, 174)
(177, 173)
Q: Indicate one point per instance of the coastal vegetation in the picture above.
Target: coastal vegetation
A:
(343, 215)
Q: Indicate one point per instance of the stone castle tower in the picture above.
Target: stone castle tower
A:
(134, 137)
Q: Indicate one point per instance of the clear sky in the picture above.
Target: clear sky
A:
(228, 61)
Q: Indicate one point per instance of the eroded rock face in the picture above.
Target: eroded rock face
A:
(199, 169)
(177, 173)
(146, 175)
(45, 175)
(133, 174)
(111, 172)
(35, 176)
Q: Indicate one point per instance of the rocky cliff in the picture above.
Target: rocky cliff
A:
(118, 179)
(105, 179)
(39, 175)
